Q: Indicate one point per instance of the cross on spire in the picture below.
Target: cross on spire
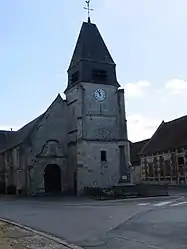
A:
(88, 9)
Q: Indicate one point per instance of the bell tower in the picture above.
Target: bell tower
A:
(97, 134)
(91, 61)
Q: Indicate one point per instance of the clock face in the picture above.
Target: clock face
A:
(100, 94)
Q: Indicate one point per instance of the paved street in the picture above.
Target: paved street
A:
(146, 223)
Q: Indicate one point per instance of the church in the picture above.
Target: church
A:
(78, 142)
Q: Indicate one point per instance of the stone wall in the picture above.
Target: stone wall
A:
(72, 167)
(47, 145)
(10, 162)
(101, 118)
(2, 174)
(92, 172)
(97, 126)
(136, 174)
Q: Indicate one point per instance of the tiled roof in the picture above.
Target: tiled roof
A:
(17, 137)
(10, 139)
(169, 135)
(135, 149)
(5, 137)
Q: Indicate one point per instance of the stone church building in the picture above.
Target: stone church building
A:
(78, 142)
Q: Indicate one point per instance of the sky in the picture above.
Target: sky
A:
(146, 38)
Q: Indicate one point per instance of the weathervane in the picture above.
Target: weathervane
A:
(88, 9)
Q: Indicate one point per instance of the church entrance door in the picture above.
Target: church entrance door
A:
(52, 178)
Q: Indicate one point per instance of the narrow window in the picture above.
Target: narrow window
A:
(103, 156)
(75, 77)
(180, 160)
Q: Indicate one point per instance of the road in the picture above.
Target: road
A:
(130, 224)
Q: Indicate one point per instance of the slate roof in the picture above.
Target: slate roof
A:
(90, 46)
(5, 137)
(135, 149)
(17, 137)
(10, 139)
(169, 135)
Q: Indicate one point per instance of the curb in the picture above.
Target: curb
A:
(116, 201)
(142, 198)
(42, 234)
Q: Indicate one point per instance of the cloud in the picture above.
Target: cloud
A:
(163, 102)
(136, 89)
(140, 127)
(176, 86)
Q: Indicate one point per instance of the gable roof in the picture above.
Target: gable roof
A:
(90, 46)
(135, 149)
(19, 136)
(169, 135)
(5, 137)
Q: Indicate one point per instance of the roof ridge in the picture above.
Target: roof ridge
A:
(141, 141)
(58, 97)
(6, 131)
(176, 119)
(41, 116)
(154, 134)
(24, 132)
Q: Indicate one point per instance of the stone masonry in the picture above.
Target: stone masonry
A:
(78, 142)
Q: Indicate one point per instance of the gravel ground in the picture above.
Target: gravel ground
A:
(12, 237)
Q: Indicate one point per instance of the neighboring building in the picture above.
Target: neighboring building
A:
(164, 157)
(135, 149)
(78, 142)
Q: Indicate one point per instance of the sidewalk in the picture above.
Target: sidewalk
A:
(12, 237)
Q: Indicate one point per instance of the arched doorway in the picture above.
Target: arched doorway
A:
(52, 178)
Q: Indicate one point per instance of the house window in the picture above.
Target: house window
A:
(151, 171)
(180, 160)
(75, 77)
(99, 75)
(103, 156)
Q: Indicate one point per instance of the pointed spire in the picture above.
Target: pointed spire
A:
(91, 61)
(90, 46)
